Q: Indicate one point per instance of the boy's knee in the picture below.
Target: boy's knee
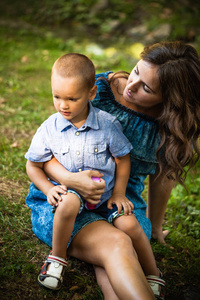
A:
(69, 205)
(129, 225)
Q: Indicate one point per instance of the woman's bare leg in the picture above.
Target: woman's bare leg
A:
(102, 244)
(159, 191)
(104, 284)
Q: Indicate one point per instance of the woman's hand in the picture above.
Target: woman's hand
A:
(89, 189)
(121, 202)
(81, 182)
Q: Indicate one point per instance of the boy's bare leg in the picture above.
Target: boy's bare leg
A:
(101, 244)
(141, 244)
(63, 223)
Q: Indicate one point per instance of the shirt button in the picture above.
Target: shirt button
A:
(78, 152)
(77, 133)
(80, 170)
(95, 150)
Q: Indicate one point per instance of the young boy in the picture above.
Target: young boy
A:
(81, 137)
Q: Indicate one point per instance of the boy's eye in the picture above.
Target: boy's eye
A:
(56, 97)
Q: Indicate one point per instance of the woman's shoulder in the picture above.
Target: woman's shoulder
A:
(104, 91)
(104, 75)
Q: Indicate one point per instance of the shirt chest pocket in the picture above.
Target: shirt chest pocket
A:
(97, 154)
(63, 156)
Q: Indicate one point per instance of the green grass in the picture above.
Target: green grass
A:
(27, 55)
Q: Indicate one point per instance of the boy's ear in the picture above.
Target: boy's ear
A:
(93, 92)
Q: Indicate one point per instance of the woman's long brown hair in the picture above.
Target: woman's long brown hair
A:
(179, 121)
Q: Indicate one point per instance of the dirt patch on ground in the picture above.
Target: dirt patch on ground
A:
(12, 189)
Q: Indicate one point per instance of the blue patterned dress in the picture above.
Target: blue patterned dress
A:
(142, 132)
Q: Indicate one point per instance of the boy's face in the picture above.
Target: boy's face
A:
(71, 98)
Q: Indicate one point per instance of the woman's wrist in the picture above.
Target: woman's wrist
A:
(70, 180)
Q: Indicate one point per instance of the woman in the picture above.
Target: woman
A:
(159, 108)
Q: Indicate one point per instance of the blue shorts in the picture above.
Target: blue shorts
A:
(109, 214)
(42, 216)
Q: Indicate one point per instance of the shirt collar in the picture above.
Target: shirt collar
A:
(91, 122)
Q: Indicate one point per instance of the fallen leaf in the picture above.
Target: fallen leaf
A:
(75, 287)
(24, 59)
(2, 100)
(45, 52)
(76, 297)
(14, 145)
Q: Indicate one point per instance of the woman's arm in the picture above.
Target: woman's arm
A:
(158, 195)
(81, 182)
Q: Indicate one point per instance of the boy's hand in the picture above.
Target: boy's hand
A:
(122, 203)
(53, 195)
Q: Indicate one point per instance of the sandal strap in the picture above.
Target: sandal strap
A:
(57, 259)
(157, 285)
(155, 279)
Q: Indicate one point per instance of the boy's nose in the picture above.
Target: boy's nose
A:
(64, 105)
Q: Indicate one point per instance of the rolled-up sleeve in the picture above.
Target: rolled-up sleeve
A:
(118, 143)
(39, 150)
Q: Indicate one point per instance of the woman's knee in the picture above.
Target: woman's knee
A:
(121, 242)
(99, 242)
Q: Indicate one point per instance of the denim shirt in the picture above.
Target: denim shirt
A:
(90, 147)
(141, 130)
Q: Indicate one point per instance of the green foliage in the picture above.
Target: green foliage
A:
(25, 100)
(184, 204)
(181, 15)
(108, 18)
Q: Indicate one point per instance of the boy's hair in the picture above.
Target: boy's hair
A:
(76, 65)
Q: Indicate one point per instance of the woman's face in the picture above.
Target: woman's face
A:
(142, 91)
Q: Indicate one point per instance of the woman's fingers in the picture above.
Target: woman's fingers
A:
(92, 201)
(96, 174)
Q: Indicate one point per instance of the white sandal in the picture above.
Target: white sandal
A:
(53, 277)
(157, 285)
